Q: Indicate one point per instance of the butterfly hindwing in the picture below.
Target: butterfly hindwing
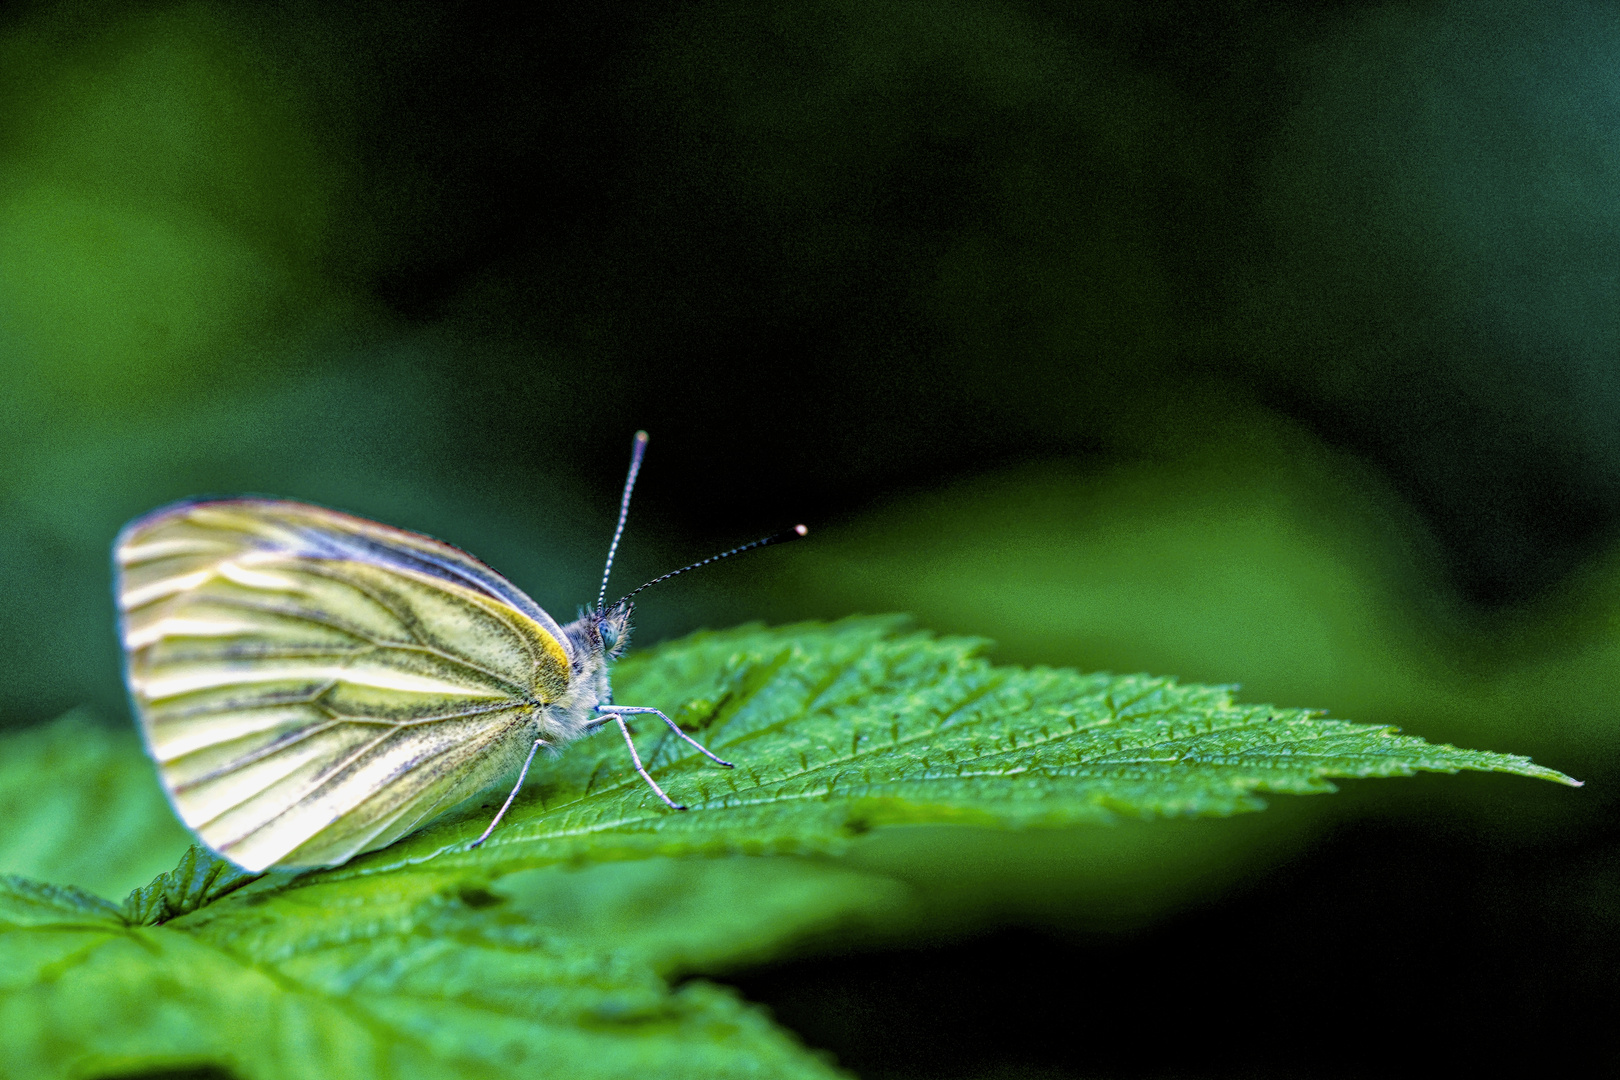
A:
(313, 685)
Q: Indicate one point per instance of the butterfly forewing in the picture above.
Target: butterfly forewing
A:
(313, 685)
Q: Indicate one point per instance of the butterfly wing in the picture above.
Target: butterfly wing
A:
(313, 685)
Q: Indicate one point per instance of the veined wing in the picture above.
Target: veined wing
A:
(313, 685)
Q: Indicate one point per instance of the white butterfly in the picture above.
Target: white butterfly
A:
(314, 685)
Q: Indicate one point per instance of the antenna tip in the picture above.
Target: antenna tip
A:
(801, 530)
(641, 437)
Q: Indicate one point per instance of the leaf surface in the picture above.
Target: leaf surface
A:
(839, 728)
(552, 948)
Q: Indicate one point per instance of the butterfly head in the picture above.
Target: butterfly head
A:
(597, 638)
(611, 629)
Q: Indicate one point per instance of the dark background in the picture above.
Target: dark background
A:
(1262, 343)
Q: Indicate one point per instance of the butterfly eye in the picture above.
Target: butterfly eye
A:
(610, 635)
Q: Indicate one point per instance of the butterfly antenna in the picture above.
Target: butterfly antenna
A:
(765, 541)
(637, 450)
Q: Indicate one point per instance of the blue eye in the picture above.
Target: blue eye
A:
(610, 635)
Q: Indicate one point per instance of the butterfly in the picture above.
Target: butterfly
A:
(313, 685)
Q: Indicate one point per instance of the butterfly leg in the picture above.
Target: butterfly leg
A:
(635, 757)
(515, 788)
(630, 709)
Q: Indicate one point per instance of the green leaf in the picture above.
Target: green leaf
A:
(201, 878)
(420, 973)
(34, 903)
(82, 806)
(412, 975)
(838, 728)
(552, 948)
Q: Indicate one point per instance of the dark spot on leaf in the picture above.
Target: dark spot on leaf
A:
(477, 897)
(856, 826)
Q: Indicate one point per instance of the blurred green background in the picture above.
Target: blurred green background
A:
(1274, 344)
